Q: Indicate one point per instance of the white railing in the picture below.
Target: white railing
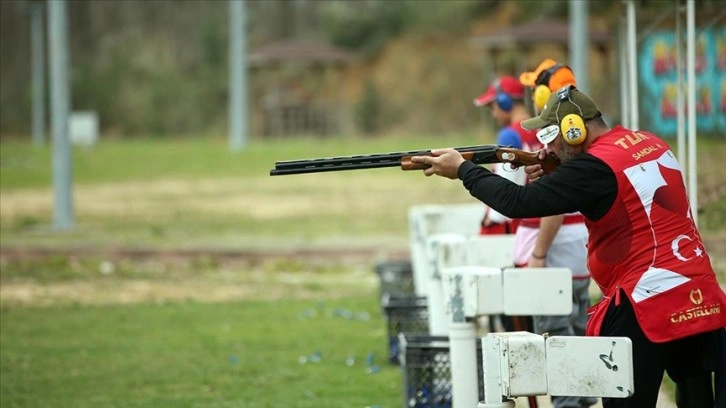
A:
(464, 276)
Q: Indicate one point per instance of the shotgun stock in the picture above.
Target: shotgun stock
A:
(481, 154)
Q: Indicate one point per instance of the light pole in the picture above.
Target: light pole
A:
(60, 106)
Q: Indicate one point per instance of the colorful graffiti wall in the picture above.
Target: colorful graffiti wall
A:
(658, 82)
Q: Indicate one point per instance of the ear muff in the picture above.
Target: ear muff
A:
(542, 87)
(504, 101)
(572, 126)
(545, 76)
(573, 129)
(539, 96)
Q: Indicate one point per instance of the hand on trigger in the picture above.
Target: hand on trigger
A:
(535, 171)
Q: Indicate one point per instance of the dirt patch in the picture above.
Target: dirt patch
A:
(255, 197)
(223, 283)
(131, 292)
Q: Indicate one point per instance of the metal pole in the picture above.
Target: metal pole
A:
(633, 65)
(680, 111)
(60, 106)
(691, 73)
(37, 71)
(623, 70)
(462, 347)
(578, 42)
(237, 76)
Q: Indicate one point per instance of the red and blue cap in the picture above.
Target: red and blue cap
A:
(507, 84)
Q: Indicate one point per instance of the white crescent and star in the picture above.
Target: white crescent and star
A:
(676, 249)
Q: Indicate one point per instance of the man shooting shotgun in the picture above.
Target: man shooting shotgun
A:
(483, 154)
(644, 250)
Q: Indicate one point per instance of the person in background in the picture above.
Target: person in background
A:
(505, 97)
(559, 240)
(548, 77)
(644, 248)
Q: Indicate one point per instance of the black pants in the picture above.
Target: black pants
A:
(689, 362)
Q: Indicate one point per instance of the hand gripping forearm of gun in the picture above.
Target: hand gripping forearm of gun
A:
(416, 160)
(450, 159)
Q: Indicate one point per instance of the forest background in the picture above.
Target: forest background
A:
(160, 68)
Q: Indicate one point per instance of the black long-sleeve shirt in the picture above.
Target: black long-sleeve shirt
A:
(584, 184)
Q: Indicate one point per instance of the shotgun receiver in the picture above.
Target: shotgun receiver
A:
(481, 154)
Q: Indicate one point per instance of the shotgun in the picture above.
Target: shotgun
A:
(481, 154)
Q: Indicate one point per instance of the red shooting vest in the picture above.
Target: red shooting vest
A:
(648, 245)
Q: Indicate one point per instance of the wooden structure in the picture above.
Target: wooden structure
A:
(522, 47)
(296, 88)
(530, 37)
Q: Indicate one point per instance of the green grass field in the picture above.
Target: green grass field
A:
(103, 331)
(198, 354)
(192, 333)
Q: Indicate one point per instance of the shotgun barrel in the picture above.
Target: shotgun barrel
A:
(480, 154)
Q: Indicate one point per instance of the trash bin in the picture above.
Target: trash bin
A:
(404, 315)
(396, 279)
(426, 365)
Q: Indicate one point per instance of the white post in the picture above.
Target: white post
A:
(492, 376)
(623, 70)
(438, 324)
(419, 219)
(578, 42)
(437, 308)
(444, 250)
(462, 349)
(691, 72)
(633, 66)
(237, 76)
(680, 111)
(464, 374)
(63, 218)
